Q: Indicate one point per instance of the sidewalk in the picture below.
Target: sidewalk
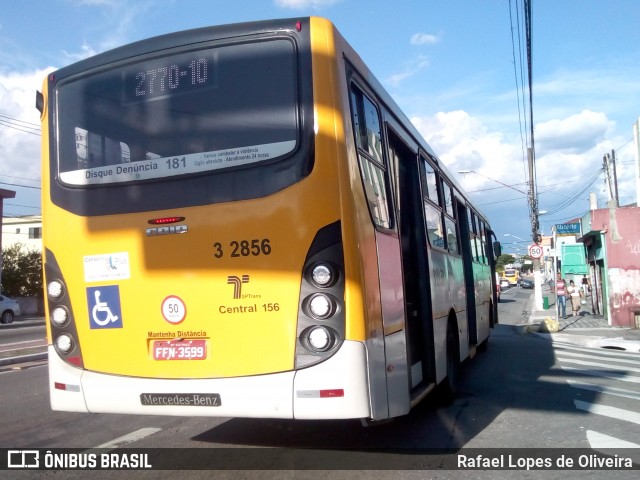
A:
(586, 329)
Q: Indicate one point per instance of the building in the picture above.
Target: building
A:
(546, 261)
(611, 237)
(26, 230)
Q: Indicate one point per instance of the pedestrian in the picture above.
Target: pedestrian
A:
(586, 289)
(576, 295)
(561, 296)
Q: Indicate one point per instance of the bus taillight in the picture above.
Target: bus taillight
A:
(64, 336)
(319, 338)
(321, 316)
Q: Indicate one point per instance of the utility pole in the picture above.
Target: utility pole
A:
(535, 236)
(609, 165)
(533, 194)
(615, 177)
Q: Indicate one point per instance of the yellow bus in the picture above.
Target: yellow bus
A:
(240, 222)
(512, 275)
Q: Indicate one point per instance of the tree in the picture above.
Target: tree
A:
(21, 271)
(505, 259)
(527, 264)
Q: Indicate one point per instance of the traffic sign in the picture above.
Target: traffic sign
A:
(535, 251)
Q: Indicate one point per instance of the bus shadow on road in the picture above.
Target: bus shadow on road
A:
(502, 399)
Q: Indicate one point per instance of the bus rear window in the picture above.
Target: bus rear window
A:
(182, 113)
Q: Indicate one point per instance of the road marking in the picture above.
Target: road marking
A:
(564, 355)
(601, 365)
(595, 350)
(130, 437)
(611, 412)
(618, 392)
(602, 441)
(603, 373)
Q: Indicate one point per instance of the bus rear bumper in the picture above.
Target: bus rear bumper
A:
(336, 388)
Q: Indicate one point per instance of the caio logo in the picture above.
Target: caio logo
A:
(237, 284)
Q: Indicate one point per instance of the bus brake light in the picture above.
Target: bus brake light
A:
(165, 220)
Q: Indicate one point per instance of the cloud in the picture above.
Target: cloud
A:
(86, 51)
(463, 142)
(119, 20)
(424, 39)
(577, 133)
(414, 66)
(564, 175)
(302, 4)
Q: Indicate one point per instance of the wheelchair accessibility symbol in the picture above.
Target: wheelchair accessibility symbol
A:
(104, 307)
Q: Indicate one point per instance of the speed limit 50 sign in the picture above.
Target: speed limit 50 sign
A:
(535, 251)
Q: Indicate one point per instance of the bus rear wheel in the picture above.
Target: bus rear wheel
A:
(447, 388)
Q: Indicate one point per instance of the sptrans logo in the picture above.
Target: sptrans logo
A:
(237, 284)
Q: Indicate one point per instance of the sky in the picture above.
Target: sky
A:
(456, 68)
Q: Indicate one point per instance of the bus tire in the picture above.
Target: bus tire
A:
(447, 388)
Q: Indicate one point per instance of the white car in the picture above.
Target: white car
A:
(9, 308)
(504, 283)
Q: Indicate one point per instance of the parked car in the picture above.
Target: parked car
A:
(9, 309)
(526, 283)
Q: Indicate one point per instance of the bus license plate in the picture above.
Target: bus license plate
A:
(180, 350)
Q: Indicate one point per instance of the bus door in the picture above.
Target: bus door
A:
(411, 226)
(470, 244)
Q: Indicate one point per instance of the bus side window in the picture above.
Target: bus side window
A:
(433, 217)
(432, 210)
(484, 258)
(452, 234)
(429, 182)
(368, 136)
(448, 199)
(450, 223)
(472, 235)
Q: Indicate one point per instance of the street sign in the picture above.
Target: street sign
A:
(568, 228)
(535, 251)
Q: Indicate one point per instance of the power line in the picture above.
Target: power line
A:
(624, 145)
(520, 85)
(570, 200)
(22, 186)
(21, 206)
(21, 178)
(20, 121)
(19, 125)
(495, 188)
